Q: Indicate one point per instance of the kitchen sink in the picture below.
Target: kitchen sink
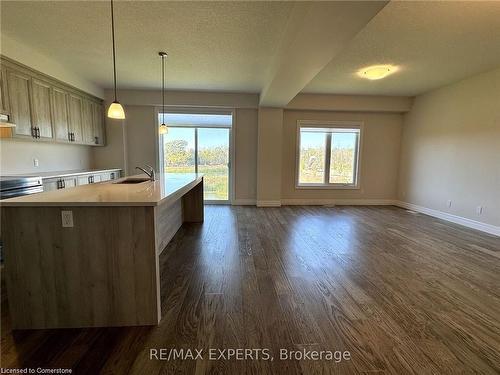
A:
(133, 180)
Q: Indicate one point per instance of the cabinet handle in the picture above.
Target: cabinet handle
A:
(73, 137)
(96, 140)
(69, 136)
(33, 132)
(63, 184)
(37, 132)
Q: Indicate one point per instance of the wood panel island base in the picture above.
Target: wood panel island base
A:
(88, 256)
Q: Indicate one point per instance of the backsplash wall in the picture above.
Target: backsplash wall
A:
(16, 157)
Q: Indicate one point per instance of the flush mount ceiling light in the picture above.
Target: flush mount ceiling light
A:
(375, 72)
(163, 127)
(115, 110)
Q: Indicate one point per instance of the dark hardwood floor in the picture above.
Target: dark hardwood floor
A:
(403, 293)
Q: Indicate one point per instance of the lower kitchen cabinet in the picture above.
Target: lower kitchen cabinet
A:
(59, 183)
(56, 183)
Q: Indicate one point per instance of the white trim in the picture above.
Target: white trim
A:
(330, 124)
(216, 202)
(244, 202)
(269, 203)
(232, 156)
(208, 111)
(337, 202)
(488, 228)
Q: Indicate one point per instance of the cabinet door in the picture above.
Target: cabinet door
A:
(69, 182)
(50, 185)
(98, 122)
(4, 100)
(114, 175)
(60, 114)
(18, 86)
(83, 180)
(87, 125)
(41, 107)
(75, 117)
(105, 176)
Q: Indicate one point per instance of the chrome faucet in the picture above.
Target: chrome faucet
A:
(151, 173)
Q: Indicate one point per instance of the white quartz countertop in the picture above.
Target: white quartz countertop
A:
(168, 186)
(73, 172)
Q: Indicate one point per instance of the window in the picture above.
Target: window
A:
(198, 142)
(328, 155)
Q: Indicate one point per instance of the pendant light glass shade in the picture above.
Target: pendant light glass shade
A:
(163, 129)
(115, 110)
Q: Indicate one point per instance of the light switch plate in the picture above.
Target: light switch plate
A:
(67, 219)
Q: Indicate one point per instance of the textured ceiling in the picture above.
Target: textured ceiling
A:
(212, 45)
(231, 46)
(435, 43)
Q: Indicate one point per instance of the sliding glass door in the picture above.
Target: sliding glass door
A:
(200, 143)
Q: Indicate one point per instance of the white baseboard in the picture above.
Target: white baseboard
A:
(244, 202)
(276, 203)
(337, 202)
(488, 228)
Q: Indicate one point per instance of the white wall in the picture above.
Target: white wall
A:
(269, 154)
(28, 56)
(379, 163)
(451, 149)
(16, 157)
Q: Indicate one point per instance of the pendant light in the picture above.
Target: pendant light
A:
(163, 127)
(115, 110)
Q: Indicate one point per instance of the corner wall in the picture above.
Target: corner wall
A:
(451, 151)
(133, 142)
(380, 148)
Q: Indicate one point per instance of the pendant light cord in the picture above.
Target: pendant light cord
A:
(163, 57)
(114, 53)
(163, 86)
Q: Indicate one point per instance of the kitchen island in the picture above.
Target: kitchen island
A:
(89, 256)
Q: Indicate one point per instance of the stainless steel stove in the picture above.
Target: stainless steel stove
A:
(16, 186)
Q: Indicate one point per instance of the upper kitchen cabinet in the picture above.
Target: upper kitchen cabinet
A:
(41, 108)
(98, 122)
(87, 122)
(46, 109)
(18, 92)
(75, 118)
(4, 102)
(60, 114)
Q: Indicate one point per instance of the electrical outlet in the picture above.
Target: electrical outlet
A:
(479, 210)
(448, 203)
(67, 219)
(35, 163)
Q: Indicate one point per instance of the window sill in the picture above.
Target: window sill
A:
(327, 187)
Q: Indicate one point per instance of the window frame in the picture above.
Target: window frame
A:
(333, 125)
(208, 111)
